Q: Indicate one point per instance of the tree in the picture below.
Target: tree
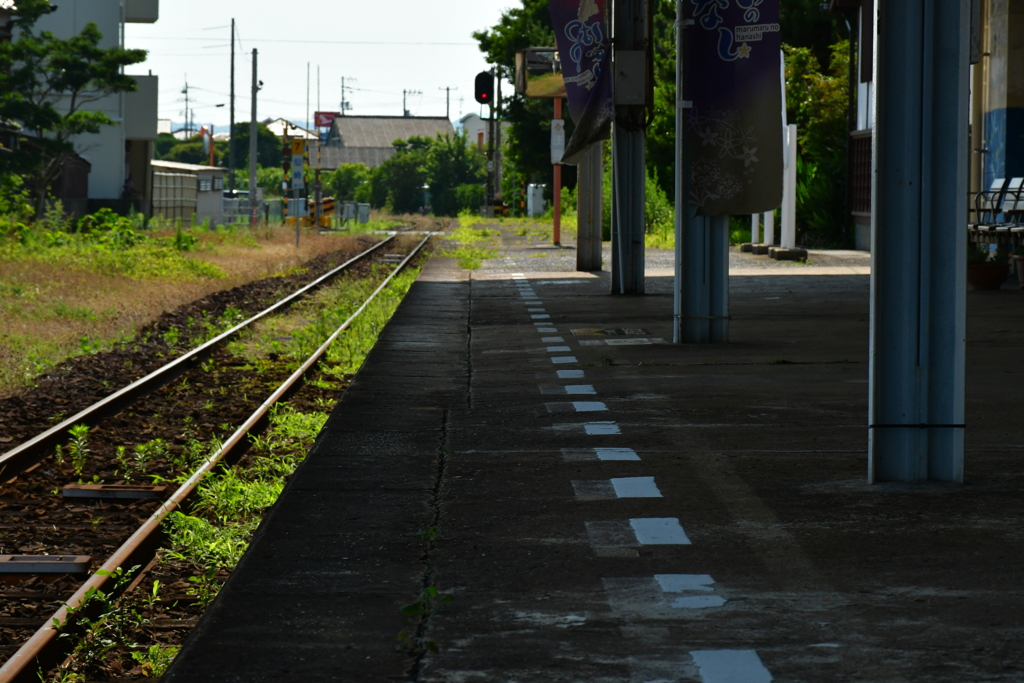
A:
(529, 139)
(404, 175)
(47, 84)
(450, 163)
(343, 182)
(269, 147)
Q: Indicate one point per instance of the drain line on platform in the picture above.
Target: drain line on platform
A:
(423, 644)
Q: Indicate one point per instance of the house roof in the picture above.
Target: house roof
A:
(380, 131)
(276, 127)
(191, 168)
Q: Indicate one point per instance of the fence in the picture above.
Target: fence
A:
(175, 195)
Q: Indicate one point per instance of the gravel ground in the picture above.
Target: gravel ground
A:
(546, 258)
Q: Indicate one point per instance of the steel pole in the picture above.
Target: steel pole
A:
(556, 199)
(590, 174)
(628, 148)
(231, 129)
(918, 290)
(253, 131)
(702, 242)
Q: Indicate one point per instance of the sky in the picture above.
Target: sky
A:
(380, 47)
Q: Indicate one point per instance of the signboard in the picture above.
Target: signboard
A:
(539, 73)
(557, 140)
(325, 119)
(733, 125)
(298, 168)
(581, 31)
(298, 149)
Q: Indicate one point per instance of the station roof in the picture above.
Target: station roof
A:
(189, 168)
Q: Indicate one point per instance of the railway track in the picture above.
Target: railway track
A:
(179, 397)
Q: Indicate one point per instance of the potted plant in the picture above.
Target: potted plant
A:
(1018, 264)
(986, 269)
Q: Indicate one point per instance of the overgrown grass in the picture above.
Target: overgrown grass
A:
(469, 252)
(229, 503)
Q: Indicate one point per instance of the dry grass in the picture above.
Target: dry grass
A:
(49, 313)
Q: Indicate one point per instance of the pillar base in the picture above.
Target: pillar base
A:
(783, 254)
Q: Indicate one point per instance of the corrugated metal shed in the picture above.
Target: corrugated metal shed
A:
(381, 131)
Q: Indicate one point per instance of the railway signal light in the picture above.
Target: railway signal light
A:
(483, 90)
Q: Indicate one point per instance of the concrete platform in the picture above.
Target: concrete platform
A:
(603, 506)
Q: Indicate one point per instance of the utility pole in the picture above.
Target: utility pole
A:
(307, 96)
(405, 110)
(490, 155)
(253, 206)
(231, 129)
(447, 101)
(318, 194)
(185, 93)
(497, 134)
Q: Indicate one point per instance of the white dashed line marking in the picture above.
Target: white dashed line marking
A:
(558, 349)
(552, 340)
(730, 666)
(540, 316)
(599, 428)
(659, 531)
(570, 374)
(559, 360)
(547, 329)
(636, 487)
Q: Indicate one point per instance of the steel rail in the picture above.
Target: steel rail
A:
(27, 454)
(45, 649)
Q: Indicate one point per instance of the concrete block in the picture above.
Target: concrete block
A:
(759, 248)
(781, 254)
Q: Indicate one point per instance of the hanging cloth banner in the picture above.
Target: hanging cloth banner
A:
(734, 126)
(581, 31)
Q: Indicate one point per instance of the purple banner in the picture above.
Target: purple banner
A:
(734, 129)
(581, 31)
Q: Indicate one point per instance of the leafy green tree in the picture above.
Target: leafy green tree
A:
(164, 143)
(47, 84)
(268, 147)
(529, 139)
(817, 101)
(404, 175)
(188, 152)
(343, 182)
(451, 163)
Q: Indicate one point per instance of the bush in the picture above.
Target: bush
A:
(470, 197)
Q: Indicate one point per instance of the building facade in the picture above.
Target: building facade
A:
(120, 155)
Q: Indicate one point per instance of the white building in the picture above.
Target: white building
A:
(121, 152)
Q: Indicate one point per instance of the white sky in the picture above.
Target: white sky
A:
(419, 45)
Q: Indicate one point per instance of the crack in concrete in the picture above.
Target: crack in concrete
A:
(430, 536)
(469, 345)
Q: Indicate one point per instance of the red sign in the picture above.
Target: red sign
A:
(325, 119)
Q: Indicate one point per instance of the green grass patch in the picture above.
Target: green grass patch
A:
(472, 246)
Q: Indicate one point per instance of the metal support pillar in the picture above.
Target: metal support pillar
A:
(589, 189)
(628, 187)
(702, 242)
(787, 239)
(629, 140)
(918, 299)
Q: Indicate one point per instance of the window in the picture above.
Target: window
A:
(218, 183)
(205, 184)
